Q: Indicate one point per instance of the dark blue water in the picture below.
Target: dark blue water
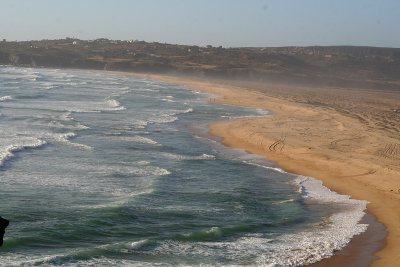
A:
(98, 169)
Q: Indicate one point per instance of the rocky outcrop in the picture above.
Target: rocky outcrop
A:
(3, 225)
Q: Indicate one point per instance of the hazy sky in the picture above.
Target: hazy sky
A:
(201, 22)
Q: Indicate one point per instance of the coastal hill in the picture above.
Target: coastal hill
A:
(333, 66)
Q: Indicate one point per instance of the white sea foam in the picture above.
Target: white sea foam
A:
(263, 111)
(48, 85)
(66, 139)
(244, 116)
(8, 152)
(138, 168)
(264, 166)
(186, 157)
(163, 118)
(287, 250)
(80, 126)
(142, 162)
(284, 201)
(143, 171)
(135, 138)
(97, 180)
(259, 113)
(157, 171)
(139, 139)
(320, 242)
(167, 100)
(138, 244)
(140, 124)
(67, 116)
(186, 110)
(168, 116)
(6, 98)
(159, 118)
(116, 105)
(296, 249)
(70, 106)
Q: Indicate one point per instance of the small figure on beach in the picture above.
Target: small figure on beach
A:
(3, 225)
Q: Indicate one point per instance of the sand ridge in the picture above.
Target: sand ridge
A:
(350, 156)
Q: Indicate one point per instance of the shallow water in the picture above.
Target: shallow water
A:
(98, 169)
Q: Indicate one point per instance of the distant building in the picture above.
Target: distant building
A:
(4, 40)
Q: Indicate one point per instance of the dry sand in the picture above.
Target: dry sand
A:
(349, 139)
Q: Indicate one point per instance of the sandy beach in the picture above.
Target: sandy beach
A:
(346, 138)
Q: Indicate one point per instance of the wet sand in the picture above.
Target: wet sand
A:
(353, 150)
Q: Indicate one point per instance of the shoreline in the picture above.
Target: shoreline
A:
(360, 250)
(251, 135)
(341, 174)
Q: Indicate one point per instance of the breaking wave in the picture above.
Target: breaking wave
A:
(9, 152)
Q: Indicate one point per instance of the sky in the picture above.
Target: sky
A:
(230, 23)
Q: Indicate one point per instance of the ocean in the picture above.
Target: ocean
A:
(102, 169)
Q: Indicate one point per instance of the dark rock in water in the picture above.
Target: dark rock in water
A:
(3, 225)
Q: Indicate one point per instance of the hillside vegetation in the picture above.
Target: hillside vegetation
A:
(350, 66)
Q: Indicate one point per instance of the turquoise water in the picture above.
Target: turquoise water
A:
(98, 169)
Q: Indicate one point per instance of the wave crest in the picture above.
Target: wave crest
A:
(9, 151)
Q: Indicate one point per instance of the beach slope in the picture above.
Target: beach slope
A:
(346, 138)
